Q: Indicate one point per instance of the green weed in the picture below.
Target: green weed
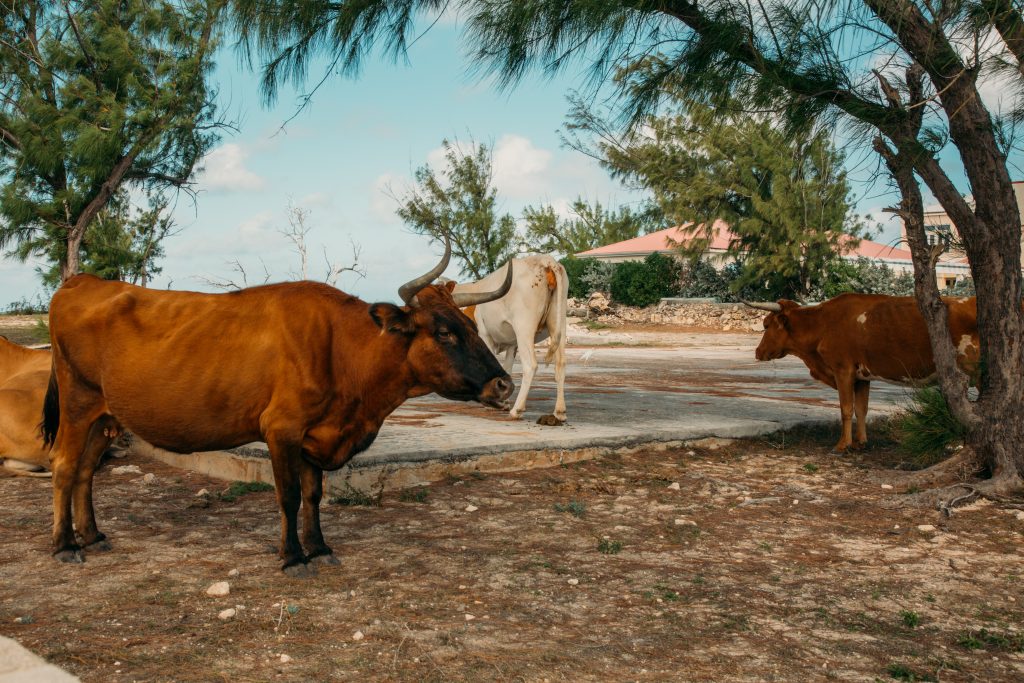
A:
(240, 488)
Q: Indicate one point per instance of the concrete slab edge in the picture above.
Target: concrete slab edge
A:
(397, 471)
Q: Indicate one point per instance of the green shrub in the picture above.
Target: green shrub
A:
(642, 283)
(927, 429)
(575, 268)
(863, 276)
(701, 279)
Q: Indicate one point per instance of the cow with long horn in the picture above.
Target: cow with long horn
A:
(851, 340)
(306, 368)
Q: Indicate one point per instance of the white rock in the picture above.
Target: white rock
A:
(358, 635)
(674, 486)
(149, 478)
(682, 521)
(219, 589)
(887, 487)
(202, 492)
(233, 573)
(126, 469)
(573, 582)
(226, 614)
(285, 659)
(470, 617)
(925, 527)
(471, 508)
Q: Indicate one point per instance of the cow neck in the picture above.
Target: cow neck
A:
(805, 337)
(381, 376)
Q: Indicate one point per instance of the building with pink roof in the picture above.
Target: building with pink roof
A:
(666, 241)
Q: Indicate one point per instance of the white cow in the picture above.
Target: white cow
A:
(533, 310)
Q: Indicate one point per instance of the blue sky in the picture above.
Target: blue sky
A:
(357, 138)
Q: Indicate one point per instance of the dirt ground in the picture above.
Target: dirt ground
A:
(771, 561)
(24, 329)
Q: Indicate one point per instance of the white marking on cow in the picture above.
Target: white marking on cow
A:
(963, 299)
(862, 318)
(966, 342)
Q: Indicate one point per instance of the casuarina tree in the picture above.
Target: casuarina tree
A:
(460, 200)
(94, 97)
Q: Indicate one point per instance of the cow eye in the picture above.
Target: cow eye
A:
(445, 335)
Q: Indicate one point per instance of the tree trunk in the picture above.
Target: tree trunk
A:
(952, 381)
(991, 233)
(71, 265)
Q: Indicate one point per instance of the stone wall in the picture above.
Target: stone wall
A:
(714, 316)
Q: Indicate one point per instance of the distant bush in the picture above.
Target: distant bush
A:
(962, 287)
(26, 306)
(642, 283)
(865, 277)
(576, 268)
(701, 279)
(598, 277)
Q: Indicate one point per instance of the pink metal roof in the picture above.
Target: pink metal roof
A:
(659, 241)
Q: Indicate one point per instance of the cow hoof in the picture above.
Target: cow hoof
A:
(300, 571)
(70, 556)
(101, 545)
(326, 560)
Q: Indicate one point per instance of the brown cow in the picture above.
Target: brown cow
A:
(848, 341)
(23, 377)
(306, 368)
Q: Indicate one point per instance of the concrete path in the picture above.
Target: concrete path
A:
(18, 665)
(671, 388)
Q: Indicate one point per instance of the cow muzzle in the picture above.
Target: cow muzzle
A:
(497, 392)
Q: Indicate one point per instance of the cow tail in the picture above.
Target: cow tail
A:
(559, 312)
(51, 410)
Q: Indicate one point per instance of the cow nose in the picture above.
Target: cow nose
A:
(503, 387)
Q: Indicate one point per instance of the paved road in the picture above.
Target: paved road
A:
(697, 385)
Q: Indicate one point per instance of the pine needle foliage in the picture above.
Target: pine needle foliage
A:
(95, 96)
(927, 429)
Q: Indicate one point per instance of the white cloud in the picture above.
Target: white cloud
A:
(520, 168)
(224, 169)
(382, 205)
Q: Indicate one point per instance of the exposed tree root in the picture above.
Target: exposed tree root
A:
(954, 482)
(963, 466)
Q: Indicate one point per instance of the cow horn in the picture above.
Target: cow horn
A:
(763, 305)
(464, 299)
(412, 287)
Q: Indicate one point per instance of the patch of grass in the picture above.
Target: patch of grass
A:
(609, 547)
(573, 507)
(904, 673)
(910, 619)
(983, 638)
(240, 488)
(416, 495)
(810, 467)
(594, 325)
(927, 429)
(353, 497)
(41, 332)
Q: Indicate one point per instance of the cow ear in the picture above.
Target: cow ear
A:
(450, 286)
(787, 304)
(391, 318)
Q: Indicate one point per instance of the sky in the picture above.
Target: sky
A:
(357, 142)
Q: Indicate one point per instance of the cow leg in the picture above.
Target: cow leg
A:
(861, 390)
(312, 478)
(285, 457)
(73, 436)
(101, 434)
(560, 380)
(509, 358)
(529, 359)
(844, 383)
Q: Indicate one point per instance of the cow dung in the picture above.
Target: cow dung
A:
(550, 421)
